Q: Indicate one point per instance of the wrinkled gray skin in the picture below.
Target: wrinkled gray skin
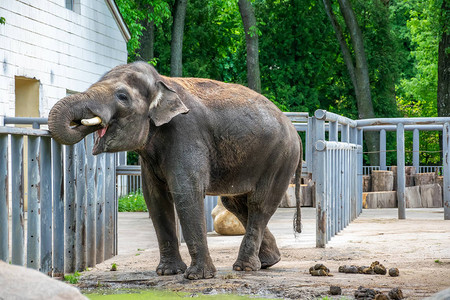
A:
(194, 137)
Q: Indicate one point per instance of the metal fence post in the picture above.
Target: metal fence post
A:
(17, 249)
(360, 168)
(34, 207)
(308, 147)
(4, 207)
(80, 212)
(321, 205)
(70, 209)
(91, 203)
(383, 149)
(100, 219)
(58, 209)
(416, 147)
(446, 166)
(401, 171)
(45, 195)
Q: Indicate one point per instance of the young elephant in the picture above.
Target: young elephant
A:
(194, 137)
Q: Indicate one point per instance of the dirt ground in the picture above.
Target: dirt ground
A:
(418, 246)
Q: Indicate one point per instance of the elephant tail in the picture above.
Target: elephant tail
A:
(298, 177)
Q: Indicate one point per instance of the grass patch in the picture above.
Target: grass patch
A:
(72, 278)
(132, 202)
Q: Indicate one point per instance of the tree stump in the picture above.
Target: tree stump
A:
(382, 181)
(425, 178)
(410, 171)
(366, 183)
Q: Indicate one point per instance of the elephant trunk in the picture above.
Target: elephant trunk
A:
(70, 120)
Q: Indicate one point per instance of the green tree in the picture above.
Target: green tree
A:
(251, 40)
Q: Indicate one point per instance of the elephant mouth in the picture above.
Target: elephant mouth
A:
(99, 134)
(99, 141)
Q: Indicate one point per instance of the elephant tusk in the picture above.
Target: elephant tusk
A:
(91, 122)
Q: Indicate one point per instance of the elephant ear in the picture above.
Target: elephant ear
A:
(166, 105)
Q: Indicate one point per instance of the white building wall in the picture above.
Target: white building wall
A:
(63, 49)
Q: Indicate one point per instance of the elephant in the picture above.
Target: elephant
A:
(194, 137)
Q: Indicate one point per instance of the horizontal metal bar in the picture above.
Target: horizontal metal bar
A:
(324, 115)
(325, 145)
(430, 127)
(404, 121)
(128, 170)
(24, 120)
(24, 131)
(297, 116)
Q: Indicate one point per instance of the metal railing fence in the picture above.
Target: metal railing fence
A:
(337, 172)
(367, 170)
(71, 219)
(400, 125)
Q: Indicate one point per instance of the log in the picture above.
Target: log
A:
(306, 197)
(431, 195)
(382, 181)
(385, 199)
(366, 183)
(425, 178)
(410, 171)
(412, 197)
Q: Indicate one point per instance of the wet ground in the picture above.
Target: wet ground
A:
(418, 246)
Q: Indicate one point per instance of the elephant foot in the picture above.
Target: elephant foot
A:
(268, 259)
(200, 272)
(171, 268)
(252, 264)
(269, 255)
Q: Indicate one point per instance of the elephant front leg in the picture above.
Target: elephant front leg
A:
(162, 213)
(190, 211)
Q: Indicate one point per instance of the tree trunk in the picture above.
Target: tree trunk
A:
(443, 90)
(251, 40)
(176, 47)
(146, 51)
(358, 70)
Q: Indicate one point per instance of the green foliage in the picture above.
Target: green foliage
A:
(113, 267)
(2, 20)
(302, 68)
(72, 278)
(136, 14)
(132, 158)
(133, 202)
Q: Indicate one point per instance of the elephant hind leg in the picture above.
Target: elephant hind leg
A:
(269, 254)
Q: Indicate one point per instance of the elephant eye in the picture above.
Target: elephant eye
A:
(122, 97)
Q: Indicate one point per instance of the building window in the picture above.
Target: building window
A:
(69, 4)
(73, 5)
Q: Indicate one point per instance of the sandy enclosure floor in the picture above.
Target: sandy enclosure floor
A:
(418, 246)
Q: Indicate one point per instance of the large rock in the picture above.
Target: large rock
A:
(23, 283)
(225, 222)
